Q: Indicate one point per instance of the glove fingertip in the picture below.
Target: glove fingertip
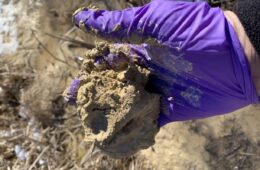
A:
(70, 95)
(80, 16)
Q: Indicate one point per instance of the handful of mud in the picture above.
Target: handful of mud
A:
(117, 113)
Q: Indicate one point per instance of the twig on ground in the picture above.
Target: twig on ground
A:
(65, 38)
(247, 154)
(39, 157)
(52, 55)
(17, 74)
(88, 154)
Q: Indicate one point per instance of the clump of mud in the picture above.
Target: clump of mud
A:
(117, 113)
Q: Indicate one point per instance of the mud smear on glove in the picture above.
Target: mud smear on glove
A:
(116, 111)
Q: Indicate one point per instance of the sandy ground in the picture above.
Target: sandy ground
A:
(40, 53)
(214, 143)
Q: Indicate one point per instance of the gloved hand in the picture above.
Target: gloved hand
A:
(197, 63)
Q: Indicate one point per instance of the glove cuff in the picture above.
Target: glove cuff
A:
(248, 12)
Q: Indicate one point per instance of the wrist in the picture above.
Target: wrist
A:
(250, 52)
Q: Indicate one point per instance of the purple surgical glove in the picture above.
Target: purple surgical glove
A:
(197, 62)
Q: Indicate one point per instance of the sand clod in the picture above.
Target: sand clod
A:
(116, 110)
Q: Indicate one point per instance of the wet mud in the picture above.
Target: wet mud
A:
(116, 110)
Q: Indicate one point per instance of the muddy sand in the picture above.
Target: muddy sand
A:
(116, 110)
